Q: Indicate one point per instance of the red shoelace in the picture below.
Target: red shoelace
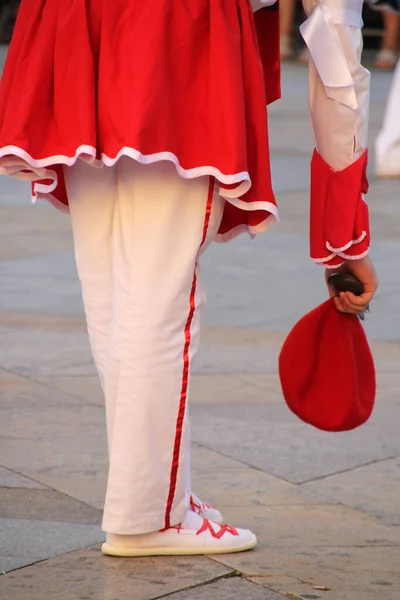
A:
(199, 506)
(207, 526)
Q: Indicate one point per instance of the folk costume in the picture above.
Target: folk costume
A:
(147, 122)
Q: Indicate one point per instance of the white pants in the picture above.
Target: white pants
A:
(138, 233)
(387, 145)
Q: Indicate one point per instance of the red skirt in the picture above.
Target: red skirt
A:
(158, 80)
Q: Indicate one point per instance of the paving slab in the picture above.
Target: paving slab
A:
(67, 353)
(226, 589)
(336, 573)
(46, 505)
(85, 482)
(31, 244)
(11, 479)
(373, 489)
(85, 387)
(53, 438)
(238, 351)
(244, 487)
(204, 387)
(298, 165)
(297, 138)
(294, 92)
(86, 575)
(63, 447)
(27, 541)
(294, 211)
(27, 292)
(384, 214)
(269, 437)
(329, 595)
(59, 265)
(264, 299)
(19, 216)
(17, 321)
(341, 569)
(47, 353)
(13, 191)
(232, 388)
(388, 386)
(205, 460)
(386, 357)
(301, 526)
(222, 481)
(20, 395)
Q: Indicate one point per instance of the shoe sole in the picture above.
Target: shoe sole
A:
(173, 551)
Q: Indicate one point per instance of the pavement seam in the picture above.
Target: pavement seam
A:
(45, 560)
(71, 394)
(230, 575)
(277, 594)
(86, 403)
(300, 483)
(349, 470)
(242, 462)
(48, 489)
(25, 477)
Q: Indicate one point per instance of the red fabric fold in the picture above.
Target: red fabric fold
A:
(124, 79)
(267, 27)
(339, 221)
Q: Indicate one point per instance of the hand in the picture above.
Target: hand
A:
(364, 271)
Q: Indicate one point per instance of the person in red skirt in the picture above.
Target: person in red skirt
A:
(147, 122)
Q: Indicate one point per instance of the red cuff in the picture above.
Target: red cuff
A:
(339, 222)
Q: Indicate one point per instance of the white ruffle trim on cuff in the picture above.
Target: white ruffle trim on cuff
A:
(342, 255)
(339, 251)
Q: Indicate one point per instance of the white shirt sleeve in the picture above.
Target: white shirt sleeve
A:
(257, 4)
(339, 85)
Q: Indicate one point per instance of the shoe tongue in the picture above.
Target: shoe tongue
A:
(192, 521)
(196, 499)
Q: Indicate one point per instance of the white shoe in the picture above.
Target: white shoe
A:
(205, 510)
(194, 536)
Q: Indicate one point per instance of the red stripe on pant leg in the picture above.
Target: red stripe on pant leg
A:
(185, 375)
(208, 210)
(182, 407)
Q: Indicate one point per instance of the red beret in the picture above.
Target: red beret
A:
(327, 371)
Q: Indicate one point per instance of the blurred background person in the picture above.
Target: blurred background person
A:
(387, 26)
(8, 15)
(287, 13)
(291, 45)
(387, 145)
(289, 10)
(388, 54)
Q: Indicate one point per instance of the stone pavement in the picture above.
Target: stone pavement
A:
(325, 507)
